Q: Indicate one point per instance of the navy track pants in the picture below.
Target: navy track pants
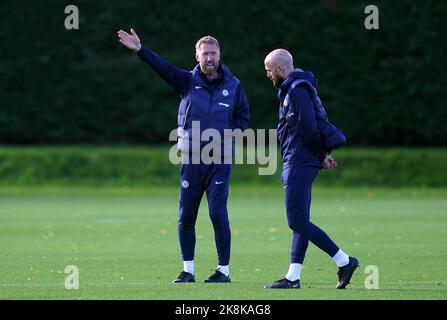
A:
(297, 182)
(195, 179)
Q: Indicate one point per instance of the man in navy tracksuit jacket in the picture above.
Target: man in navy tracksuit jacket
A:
(304, 154)
(212, 98)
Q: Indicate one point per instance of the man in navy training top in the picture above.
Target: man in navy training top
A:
(303, 154)
(213, 97)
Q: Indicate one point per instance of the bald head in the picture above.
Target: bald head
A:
(278, 64)
(280, 57)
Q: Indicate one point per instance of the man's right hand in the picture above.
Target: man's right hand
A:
(329, 163)
(130, 41)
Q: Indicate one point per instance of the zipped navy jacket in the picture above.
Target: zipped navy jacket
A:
(218, 104)
(298, 133)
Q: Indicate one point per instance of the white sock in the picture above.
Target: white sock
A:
(341, 258)
(188, 266)
(294, 272)
(224, 269)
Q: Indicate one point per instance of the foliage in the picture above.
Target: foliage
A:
(382, 87)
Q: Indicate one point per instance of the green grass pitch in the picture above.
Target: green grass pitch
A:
(124, 243)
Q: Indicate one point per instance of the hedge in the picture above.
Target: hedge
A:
(150, 167)
(383, 87)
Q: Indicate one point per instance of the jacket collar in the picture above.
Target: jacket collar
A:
(295, 75)
(200, 78)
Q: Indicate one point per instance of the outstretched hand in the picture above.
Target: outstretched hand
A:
(329, 163)
(130, 41)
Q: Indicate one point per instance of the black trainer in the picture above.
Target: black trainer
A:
(345, 273)
(184, 277)
(284, 284)
(217, 277)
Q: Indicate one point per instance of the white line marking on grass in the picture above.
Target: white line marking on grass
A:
(61, 284)
(319, 285)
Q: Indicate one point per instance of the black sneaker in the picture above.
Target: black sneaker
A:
(217, 277)
(284, 284)
(184, 277)
(345, 273)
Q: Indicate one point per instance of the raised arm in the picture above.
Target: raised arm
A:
(177, 78)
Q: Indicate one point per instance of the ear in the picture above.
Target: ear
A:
(197, 57)
(281, 70)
